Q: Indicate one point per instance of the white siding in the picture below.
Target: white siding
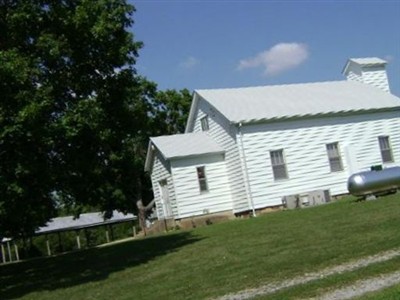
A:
(375, 76)
(224, 134)
(160, 172)
(304, 143)
(192, 202)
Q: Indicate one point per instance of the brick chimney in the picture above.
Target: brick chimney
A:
(370, 70)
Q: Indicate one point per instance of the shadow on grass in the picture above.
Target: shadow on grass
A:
(17, 280)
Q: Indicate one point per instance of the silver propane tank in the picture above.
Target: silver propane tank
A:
(374, 182)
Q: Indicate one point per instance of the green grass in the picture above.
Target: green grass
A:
(391, 293)
(318, 287)
(214, 260)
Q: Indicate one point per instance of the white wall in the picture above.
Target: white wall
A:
(225, 135)
(304, 143)
(192, 202)
(161, 171)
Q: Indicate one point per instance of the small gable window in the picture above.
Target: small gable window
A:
(201, 175)
(204, 123)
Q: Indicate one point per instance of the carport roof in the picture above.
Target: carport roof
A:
(83, 221)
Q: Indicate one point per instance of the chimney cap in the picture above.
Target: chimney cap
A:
(369, 61)
(365, 62)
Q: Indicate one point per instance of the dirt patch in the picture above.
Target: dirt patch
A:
(308, 277)
(361, 287)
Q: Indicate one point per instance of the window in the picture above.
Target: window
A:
(335, 161)
(278, 164)
(204, 123)
(386, 151)
(201, 175)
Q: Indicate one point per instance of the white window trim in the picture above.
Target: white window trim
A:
(284, 164)
(330, 158)
(202, 180)
(389, 149)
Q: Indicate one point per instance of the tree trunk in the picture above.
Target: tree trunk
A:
(142, 213)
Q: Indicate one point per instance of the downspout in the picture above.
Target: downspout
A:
(245, 171)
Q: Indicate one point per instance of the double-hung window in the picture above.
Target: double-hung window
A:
(386, 150)
(335, 160)
(201, 176)
(278, 164)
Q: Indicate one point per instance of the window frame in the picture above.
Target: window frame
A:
(384, 140)
(205, 125)
(202, 179)
(277, 168)
(336, 159)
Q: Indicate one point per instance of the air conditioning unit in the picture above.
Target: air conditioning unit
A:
(319, 197)
(291, 201)
(306, 199)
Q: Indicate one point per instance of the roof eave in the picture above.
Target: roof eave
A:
(346, 67)
(196, 155)
(315, 116)
(149, 157)
(77, 227)
(190, 121)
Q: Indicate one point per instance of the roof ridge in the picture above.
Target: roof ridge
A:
(272, 85)
(294, 100)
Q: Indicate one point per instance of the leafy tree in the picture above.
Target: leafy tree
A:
(167, 113)
(72, 109)
(170, 110)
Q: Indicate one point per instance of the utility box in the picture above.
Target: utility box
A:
(291, 201)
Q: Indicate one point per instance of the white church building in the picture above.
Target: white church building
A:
(245, 149)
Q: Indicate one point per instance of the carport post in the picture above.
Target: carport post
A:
(16, 251)
(134, 231)
(9, 251)
(48, 246)
(3, 254)
(107, 236)
(78, 240)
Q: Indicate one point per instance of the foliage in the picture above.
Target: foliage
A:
(73, 110)
(212, 261)
(170, 111)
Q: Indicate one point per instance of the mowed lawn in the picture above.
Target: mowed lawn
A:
(214, 260)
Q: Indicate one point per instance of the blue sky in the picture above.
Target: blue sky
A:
(222, 44)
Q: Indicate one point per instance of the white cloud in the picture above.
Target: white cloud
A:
(277, 59)
(189, 63)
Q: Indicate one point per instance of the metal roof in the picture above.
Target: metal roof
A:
(83, 221)
(183, 145)
(252, 104)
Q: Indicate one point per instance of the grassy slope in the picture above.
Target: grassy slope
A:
(392, 293)
(214, 260)
(314, 289)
